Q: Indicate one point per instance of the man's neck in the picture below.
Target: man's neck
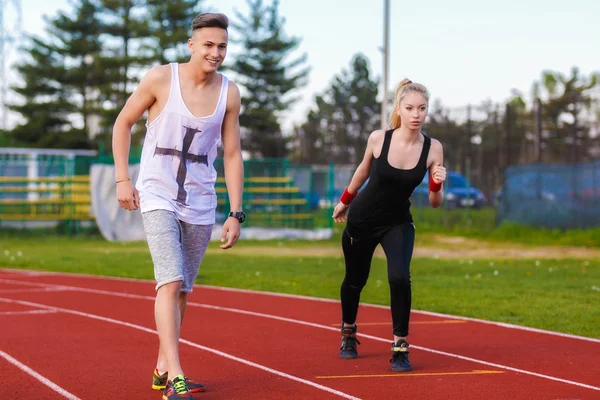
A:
(199, 78)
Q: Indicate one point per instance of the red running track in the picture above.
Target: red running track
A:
(82, 337)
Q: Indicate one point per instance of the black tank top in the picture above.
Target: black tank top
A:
(384, 202)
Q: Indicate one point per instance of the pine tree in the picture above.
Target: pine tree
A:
(56, 79)
(170, 27)
(347, 112)
(268, 76)
(125, 31)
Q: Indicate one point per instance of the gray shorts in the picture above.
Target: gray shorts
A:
(177, 248)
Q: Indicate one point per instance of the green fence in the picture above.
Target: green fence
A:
(39, 187)
(272, 198)
(277, 193)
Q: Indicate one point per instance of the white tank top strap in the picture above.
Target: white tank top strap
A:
(222, 106)
(175, 98)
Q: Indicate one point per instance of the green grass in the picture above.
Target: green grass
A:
(476, 224)
(558, 295)
(481, 224)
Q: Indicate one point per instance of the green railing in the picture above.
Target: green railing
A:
(271, 197)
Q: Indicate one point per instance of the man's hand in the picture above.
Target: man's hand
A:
(128, 196)
(230, 232)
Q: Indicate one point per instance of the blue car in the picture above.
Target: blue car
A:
(458, 192)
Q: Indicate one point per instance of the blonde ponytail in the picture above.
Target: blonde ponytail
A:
(404, 87)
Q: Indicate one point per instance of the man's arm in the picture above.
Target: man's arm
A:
(232, 153)
(140, 100)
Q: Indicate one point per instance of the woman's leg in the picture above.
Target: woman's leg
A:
(358, 254)
(398, 244)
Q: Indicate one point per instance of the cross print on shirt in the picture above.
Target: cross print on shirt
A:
(183, 156)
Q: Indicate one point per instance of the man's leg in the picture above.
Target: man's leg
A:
(161, 364)
(168, 324)
(194, 240)
(163, 232)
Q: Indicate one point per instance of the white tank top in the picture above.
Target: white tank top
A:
(176, 168)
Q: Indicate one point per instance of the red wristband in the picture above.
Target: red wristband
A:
(434, 187)
(347, 197)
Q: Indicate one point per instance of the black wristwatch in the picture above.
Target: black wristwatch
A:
(239, 215)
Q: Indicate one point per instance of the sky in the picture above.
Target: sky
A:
(463, 51)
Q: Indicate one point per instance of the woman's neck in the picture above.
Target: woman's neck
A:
(408, 135)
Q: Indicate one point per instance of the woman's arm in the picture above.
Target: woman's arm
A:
(437, 174)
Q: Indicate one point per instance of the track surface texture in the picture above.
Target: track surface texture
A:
(83, 337)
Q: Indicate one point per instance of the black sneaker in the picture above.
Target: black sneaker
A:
(349, 341)
(399, 359)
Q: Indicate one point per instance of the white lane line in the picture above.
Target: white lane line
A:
(39, 377)
(316, 299)
(190, 343)
(11, 291)
(315, 325)
(27, 312)
(430, 313)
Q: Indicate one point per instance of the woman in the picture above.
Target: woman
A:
(395, 162)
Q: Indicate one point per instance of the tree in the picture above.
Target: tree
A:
(56, 80)
(169, 29)
(81, 48)
(346, 113)
(310, 141)
(77, 78)
(268, 76)
(125, 29)
(566, 100)
(439, 125)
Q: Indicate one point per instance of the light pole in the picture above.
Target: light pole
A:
(10, 36)
(385, 51)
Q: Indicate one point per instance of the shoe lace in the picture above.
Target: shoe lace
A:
(179, 386)
(349, 343)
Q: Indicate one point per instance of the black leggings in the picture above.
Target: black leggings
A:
(397, 243)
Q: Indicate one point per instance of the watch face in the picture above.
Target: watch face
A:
(240, 216)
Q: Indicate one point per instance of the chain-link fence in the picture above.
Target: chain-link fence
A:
(552, 196)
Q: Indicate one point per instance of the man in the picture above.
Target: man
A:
(192, 110)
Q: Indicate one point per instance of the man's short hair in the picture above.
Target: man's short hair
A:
(210, 20)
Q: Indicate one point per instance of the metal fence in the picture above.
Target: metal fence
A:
(551, 196)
